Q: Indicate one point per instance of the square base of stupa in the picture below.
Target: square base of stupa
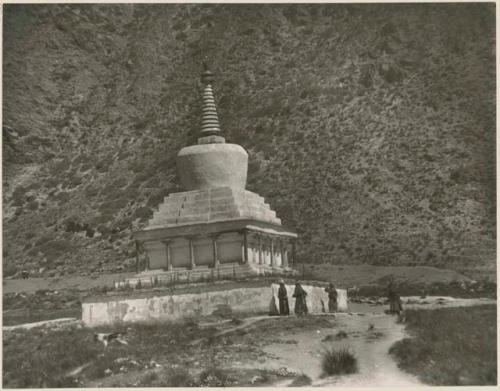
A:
(212, 234)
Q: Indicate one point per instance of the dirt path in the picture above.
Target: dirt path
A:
(370, 334)
(44, 323)
(245, 323)
(376, 367)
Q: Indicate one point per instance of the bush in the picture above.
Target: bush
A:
(143, 213)
(179, 377)
(18, 196)
(150, 379)
(301, 381)
(341, 334)
(214, 377)
(62, 197)
(9, 270)
(338, 362)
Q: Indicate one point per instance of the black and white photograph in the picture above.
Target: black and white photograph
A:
(249, 195)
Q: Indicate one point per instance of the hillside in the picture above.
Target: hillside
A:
(370, 128)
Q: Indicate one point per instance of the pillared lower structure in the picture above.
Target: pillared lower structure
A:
(219, 230)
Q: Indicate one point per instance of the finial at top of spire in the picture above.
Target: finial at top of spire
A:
(207, 77)
(205, 63)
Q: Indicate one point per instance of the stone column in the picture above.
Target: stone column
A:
(260, 249)
(191, 253)
(272, 252)
(294, 260)
(284, 254)
(145, 257)
(168, 256)
(216, 255)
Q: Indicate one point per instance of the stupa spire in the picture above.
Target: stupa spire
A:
(210, 128)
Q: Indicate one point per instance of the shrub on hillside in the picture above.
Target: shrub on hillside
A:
(143, 213)
(111, 207)
(338, 362)
(62, 196)
(18, 196)
(55, 248)
(33, 205)
(9, 269)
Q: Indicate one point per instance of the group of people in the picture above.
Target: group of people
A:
(395, 304)
(300, 299)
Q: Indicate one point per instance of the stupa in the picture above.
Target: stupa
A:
(215, 227)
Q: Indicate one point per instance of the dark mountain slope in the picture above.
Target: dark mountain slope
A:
(370, 128)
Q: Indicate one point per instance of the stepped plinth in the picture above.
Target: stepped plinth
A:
(216, 226)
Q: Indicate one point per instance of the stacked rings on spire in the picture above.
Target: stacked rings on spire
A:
(209, 120)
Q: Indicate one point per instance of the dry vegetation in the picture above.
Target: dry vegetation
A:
(452, 346)
(370, 128)
(157, 355)
(338, 362)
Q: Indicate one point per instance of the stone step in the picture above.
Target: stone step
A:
(224, 215)
(212, 204)
(220, 191)
(192, 219)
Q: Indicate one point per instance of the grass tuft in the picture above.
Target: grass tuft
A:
(338, 362)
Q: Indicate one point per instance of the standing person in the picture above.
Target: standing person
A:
(283, 299)
(300, 300)
(395, 305)
(332, 297)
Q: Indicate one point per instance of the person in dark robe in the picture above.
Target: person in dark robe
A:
(332, 298)
(283, 299)
(395, 305)
(300, 300)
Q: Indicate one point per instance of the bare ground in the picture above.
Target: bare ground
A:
(263, 351)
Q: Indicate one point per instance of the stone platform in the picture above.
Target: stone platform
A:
(153, 278)
(154, 306)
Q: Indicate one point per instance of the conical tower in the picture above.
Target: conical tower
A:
(210, 127)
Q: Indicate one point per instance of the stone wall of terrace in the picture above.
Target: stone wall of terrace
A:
(164, 306)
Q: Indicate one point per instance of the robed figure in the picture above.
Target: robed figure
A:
(283, 299)
(332, 298)
(300, 300)
(395, 305)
